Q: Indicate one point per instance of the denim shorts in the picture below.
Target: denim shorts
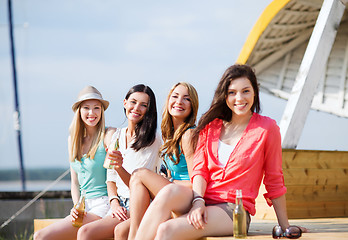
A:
(98, 206)
(124, 202)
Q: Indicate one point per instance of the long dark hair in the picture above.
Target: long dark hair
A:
(218, 107)
(145, 130)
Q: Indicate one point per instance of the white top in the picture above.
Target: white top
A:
(146, 157)
(224, 152)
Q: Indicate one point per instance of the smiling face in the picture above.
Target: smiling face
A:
(136, 106)
(240, 96)
(90, 111)
(179, 104)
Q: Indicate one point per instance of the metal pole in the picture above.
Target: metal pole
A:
(17, 123)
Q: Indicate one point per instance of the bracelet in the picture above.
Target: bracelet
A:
(171, 180)
(197, 198)
(114, 197)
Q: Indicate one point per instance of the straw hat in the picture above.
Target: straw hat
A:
(88, 93)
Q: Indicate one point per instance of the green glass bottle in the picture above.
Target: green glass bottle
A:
(239, 217)
(80, 207)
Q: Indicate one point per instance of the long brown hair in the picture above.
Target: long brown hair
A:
(218, 107)
(170, 137)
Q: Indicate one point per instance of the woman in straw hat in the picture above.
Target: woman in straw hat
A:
(87, 142)
(138, 147)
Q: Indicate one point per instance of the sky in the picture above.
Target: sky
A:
(62, 46)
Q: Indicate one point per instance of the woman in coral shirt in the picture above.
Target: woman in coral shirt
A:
(236, 148)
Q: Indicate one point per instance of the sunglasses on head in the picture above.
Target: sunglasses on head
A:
(291, 232)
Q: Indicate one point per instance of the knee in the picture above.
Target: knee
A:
(84, 232)
(120, 232)
(41, 235)
(38, 235)
(138, 175)
(169, 192)
(165, 231)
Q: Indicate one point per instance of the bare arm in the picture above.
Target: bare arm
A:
(75, 186)
(108, 135)
(198, 214)
(279, 205)
(188, 151)
(124, 175)
(199, 186)
(117, 211)
(116, 156)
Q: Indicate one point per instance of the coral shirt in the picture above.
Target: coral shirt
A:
(258, 154)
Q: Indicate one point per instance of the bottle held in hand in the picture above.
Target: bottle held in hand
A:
(116, 147)
(239, 218)
(80, 207)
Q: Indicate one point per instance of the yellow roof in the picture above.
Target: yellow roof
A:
(266, 17)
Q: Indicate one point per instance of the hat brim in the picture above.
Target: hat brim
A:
(77, 104)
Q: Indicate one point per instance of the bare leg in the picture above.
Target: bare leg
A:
(121, 230)
(219, 224)
(144, 185)
(172, 198)
(63, 229)
(101, 229)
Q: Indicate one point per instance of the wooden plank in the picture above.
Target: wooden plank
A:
(315, 57)
(298, 210)
(317, 193)
(315, 159)
(315, 176)
(42, 223)
(320, 228)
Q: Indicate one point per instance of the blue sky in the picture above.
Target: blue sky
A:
(62, 46)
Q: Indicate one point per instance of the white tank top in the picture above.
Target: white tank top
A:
(224, 152)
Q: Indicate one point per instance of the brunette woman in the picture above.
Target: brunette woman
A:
(236, 149)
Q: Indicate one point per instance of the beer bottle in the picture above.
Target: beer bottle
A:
(116, 147)
(80, 207)
(239, 217)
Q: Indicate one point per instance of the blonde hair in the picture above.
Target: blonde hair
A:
(172, 139)
(77, 132)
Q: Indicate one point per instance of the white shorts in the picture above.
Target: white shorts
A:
(98, 206)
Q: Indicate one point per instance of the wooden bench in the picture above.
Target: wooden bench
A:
(319, 228)
(41, 223)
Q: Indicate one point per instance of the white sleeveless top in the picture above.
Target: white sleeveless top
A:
(224, 153)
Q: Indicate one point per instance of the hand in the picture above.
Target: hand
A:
(116, 158)
(75, 214)
(303, 229)
(198, 215)
(118, 212)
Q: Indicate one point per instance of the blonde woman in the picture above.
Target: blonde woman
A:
(87, 142)
(178, 120)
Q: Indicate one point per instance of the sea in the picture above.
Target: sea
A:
(34, 185)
